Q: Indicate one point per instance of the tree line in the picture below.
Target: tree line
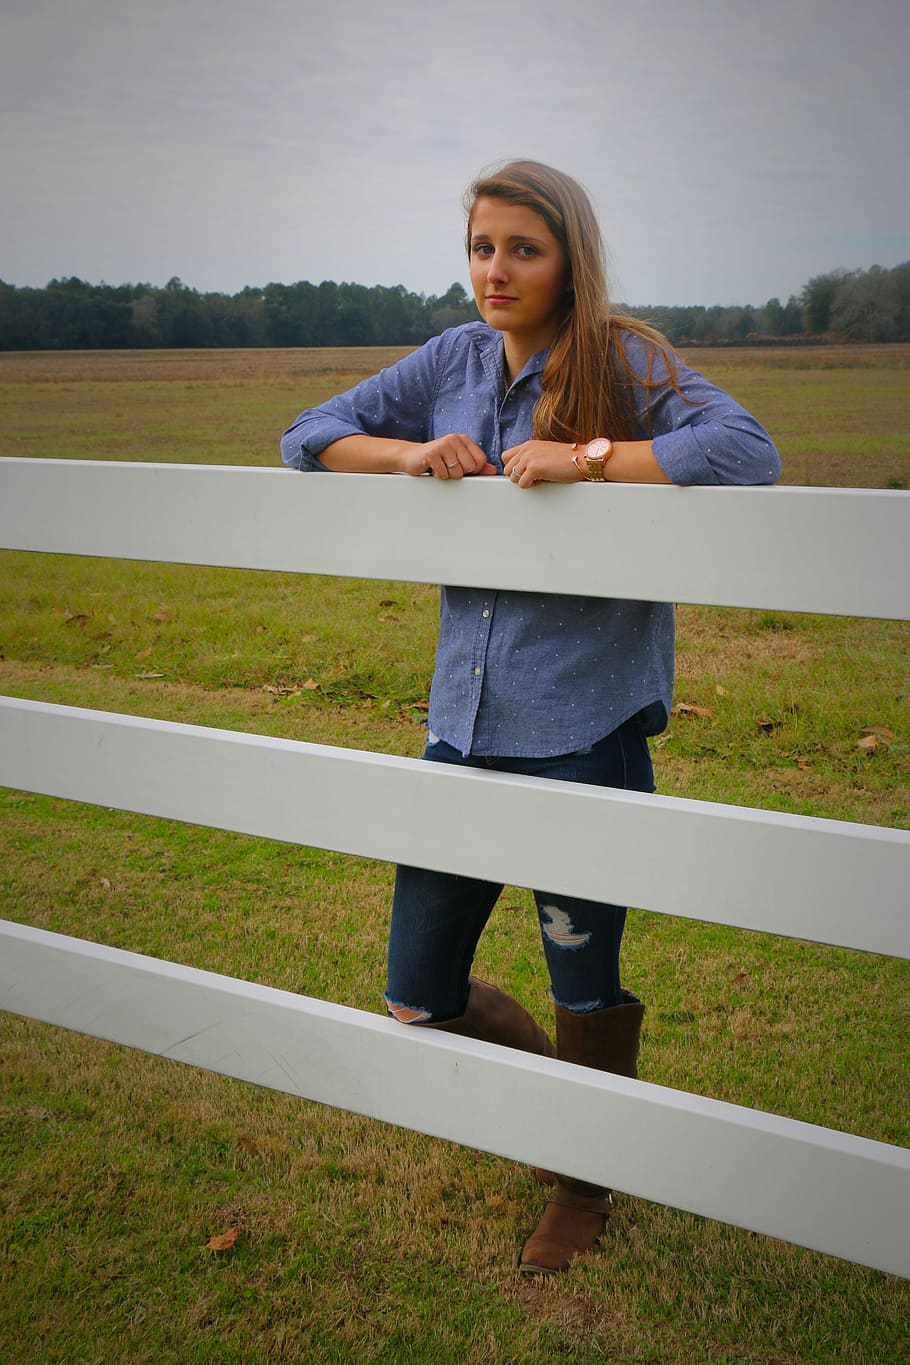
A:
(71, 314)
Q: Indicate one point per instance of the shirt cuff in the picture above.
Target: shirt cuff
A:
(302, 451)
(681, 457)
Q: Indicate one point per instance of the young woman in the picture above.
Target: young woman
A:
(551, 387)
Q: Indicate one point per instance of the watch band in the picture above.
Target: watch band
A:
(595, 456)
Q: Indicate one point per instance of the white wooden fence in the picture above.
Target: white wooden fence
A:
(816, 550)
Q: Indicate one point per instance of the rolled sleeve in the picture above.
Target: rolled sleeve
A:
(700, 434)
(734, 450)
(396, 402)
(302, 443)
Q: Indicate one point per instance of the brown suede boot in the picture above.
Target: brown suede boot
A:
(576, 1212)
(494, 1017)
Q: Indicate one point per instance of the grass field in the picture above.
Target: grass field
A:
(358, 1242)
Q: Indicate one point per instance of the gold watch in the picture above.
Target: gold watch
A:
(596, 454)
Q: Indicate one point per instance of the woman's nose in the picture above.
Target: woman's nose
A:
(496, 267)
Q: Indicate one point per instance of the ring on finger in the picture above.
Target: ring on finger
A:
(452, 465)
(515, 475)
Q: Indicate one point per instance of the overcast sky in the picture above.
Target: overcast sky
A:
(733, 148)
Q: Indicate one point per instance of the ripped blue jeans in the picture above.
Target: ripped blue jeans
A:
(438, 917)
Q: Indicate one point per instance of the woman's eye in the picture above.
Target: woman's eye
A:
(482, 249)
(526, 251)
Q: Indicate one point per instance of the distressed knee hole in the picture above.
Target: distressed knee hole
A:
(560, 930)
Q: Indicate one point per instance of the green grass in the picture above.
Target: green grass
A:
(219, 628)
(360, 1242)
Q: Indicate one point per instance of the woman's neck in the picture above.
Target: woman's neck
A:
(516, 355)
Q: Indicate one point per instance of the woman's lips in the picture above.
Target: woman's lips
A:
(501, 298)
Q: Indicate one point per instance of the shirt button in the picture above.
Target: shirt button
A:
(476, 672)
(485, 614)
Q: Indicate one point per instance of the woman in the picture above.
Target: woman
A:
(550, 387)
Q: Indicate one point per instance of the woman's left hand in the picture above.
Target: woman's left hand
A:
(540, 462)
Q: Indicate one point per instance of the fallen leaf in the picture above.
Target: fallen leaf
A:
(720, 690)
(149, 675)
(311, 684)
(78, 620)
(144, 653)
(222, 1241)
(868, 742)
(389, 619)
(104, 884)
(685, 708)
(881, 732)
(767, 725)
(160, 616)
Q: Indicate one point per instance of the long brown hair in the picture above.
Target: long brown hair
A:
(587, 379)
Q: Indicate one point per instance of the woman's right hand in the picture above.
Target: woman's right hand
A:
(447, 457)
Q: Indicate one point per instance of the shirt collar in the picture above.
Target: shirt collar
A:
(491, 351)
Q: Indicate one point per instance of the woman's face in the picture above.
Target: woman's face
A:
(519, 272)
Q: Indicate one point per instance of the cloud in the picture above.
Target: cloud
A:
(732, 150)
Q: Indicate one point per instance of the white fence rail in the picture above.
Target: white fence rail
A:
(827, 550)
(794, 549)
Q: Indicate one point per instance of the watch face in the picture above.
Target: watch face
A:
(599, 448)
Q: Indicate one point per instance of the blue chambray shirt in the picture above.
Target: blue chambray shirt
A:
(534, 675)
